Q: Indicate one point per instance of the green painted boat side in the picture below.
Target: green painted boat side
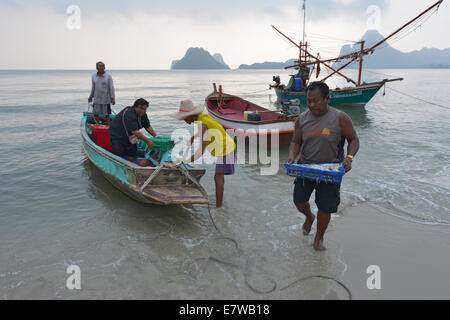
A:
(354, 96)
(103, 159)
(169, 187)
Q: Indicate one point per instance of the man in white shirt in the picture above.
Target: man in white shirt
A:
(103, 92)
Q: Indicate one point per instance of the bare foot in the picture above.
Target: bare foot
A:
(318, 245)
(308, 224)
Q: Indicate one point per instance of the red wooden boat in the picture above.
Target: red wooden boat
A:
(247, 119)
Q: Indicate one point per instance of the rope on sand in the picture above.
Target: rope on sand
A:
(247, 268)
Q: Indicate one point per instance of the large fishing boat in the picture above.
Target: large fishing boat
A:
(359, 93)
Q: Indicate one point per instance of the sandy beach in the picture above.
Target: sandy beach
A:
(413, 258)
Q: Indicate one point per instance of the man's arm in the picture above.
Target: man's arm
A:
(151, 131)
(92, 90)
(198, 153)
(349, 133)
(141, 136)
(296, 143)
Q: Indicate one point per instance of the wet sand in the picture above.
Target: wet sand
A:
(414, 258)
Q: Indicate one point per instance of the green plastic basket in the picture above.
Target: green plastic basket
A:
(163, 143)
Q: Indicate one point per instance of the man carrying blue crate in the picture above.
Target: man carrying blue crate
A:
(319, 137)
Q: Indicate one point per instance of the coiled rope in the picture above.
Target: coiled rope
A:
(247, 269)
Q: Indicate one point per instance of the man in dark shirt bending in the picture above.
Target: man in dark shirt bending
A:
(124, 130)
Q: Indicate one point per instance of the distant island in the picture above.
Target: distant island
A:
(268, 65)
(382, 58)
(199, 58)
(387, 57)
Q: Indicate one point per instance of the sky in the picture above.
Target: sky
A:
(138, 34)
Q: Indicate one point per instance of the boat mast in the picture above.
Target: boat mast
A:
(361, 62)
(304, 20)
(310, 55)
(355, 55)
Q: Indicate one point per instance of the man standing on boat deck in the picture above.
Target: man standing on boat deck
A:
(102, 92)
(319, 137)
(124, 130)
(214, 139)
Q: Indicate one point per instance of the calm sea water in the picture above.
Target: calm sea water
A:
(58, 210)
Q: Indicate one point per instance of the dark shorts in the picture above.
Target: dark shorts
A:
(327, 194)
(225, 164)
(120, 149)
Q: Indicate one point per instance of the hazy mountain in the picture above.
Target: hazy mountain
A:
(198, 58)
(387, 57)
(218, 57)
(268, 65)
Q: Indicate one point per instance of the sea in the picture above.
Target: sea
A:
(58, 211)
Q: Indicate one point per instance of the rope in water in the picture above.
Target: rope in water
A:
(247, 269)
(274, 283)
(419, 99)
(259, 91)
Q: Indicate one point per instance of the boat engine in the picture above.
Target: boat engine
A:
(290, 109)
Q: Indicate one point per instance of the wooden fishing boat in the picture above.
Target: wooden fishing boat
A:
(160, 183)
(360, 93)
(232, 112)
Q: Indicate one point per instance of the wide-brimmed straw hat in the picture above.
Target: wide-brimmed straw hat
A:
(187, 109)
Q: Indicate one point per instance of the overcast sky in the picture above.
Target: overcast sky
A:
(138, 34)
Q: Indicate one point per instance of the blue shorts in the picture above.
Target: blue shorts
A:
(327, 194)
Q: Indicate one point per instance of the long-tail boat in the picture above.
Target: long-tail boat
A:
(247, 119)
(156, 181)
(360, 93)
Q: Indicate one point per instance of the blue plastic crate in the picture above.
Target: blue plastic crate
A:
(299, 171)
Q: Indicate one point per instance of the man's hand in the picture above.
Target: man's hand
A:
(113, 101)
(181, 161)
(189, 142)
(150, 143)
(290, 160)
(178, 161)
(89, 99)
(348, 164)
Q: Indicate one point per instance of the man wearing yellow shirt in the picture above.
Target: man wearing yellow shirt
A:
(214, 139)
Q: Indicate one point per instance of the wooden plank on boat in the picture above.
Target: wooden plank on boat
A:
(175, 194)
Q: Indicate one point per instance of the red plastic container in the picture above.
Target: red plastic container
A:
(144, 162)
(100, 136)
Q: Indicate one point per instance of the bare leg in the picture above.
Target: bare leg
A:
(108, 120)
(323, 219)
(97, 119)
(306, 210)
(219, 179)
